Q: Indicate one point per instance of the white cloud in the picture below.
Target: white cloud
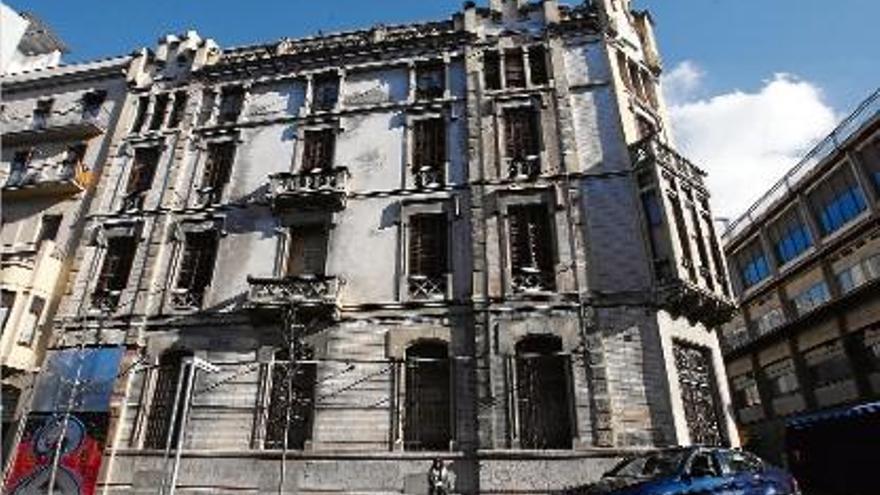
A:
(745, 141)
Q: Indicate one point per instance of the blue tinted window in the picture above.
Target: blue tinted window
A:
(793, 241)
(755, 269)
(841, 208)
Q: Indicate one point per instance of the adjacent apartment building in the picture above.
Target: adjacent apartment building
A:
(803, 353)
(58, 124)
(314, 265)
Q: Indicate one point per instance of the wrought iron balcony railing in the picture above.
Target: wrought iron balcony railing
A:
(76, 122)
(427, 287)
(303, 290)
(319, 188)
(531, 279)
(525, 168)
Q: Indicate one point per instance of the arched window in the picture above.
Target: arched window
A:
(428, 404)
(299, 399)
(542, 392)
(171, 373)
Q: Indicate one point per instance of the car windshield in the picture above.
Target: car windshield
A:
(650, 465)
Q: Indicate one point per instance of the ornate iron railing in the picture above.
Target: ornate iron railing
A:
(306, 290)
(422, 287)
(429, 177)
(532, 280)
(186, 299)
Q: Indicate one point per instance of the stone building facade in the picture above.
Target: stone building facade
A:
(337, 258)
(58, 125)
(803, 353)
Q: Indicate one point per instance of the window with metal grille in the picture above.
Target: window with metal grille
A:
(218, 169)
(160, 107)
(428, 249)
(49, 226)
(429, 152)
(522, 143)
(699, 393)
(115, 270)
(291, 401)
(171, 378)
(428, 411)
(531, 247)
(307, 250)
(178, 109)
(492, 70)
(430, 80)
(789, 236)
(31, 321)
(542, 393)
(325, 91)
(141, 115)
(837, 200)
(196, 268)
(231, 104)
(140, 180)
(514, 71)
(318, 150)
(538, 65)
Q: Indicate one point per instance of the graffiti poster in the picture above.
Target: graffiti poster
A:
(64, 436)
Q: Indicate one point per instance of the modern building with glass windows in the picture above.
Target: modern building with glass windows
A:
(333, 259)
(803, 353)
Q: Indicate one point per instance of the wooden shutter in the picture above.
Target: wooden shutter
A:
(218, 166)
(520, 134)
(307, 254)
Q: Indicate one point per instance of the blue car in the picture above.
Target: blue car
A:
(693, 471)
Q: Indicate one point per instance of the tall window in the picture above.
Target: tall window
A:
(429, 152)
(428, 263)
(514, 71)
(115, 271)
(531, 248)
(684, 240)
(542, 388)
(700, 241)
(790, 237)
(6, 304)
(171, 373)
(231, 104)
(218, 169)
(430, 80)
(291, 401)
(160, 107)
(141, 178)
(318, 150)
(521, 142)
(538, 64)
(715, 250)
(837, 200)
(325, 91)
(32, 321)
(428, 424)
(753, 265)
(140, 118)
(307, 251)
(699, 393)
(196, 268)
(492, 70)
(49, 226)
(178, 110)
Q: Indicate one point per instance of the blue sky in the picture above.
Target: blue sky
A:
(723, 57)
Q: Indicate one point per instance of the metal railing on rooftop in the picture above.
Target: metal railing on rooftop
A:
(866, 111)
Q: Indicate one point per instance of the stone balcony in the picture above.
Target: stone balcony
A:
(682, 298)
(317, 189)
(76, 123)
(651, 150)
(309, 291)
(62, 179)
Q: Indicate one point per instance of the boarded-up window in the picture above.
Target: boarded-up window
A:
(218, 168)
(428, 398)
(429, 152)
(196, 267)
(542, 393)
(531, 247)
(170, 384)
(318, 150)
(307, 252)
(291, 401)
(115, 270)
